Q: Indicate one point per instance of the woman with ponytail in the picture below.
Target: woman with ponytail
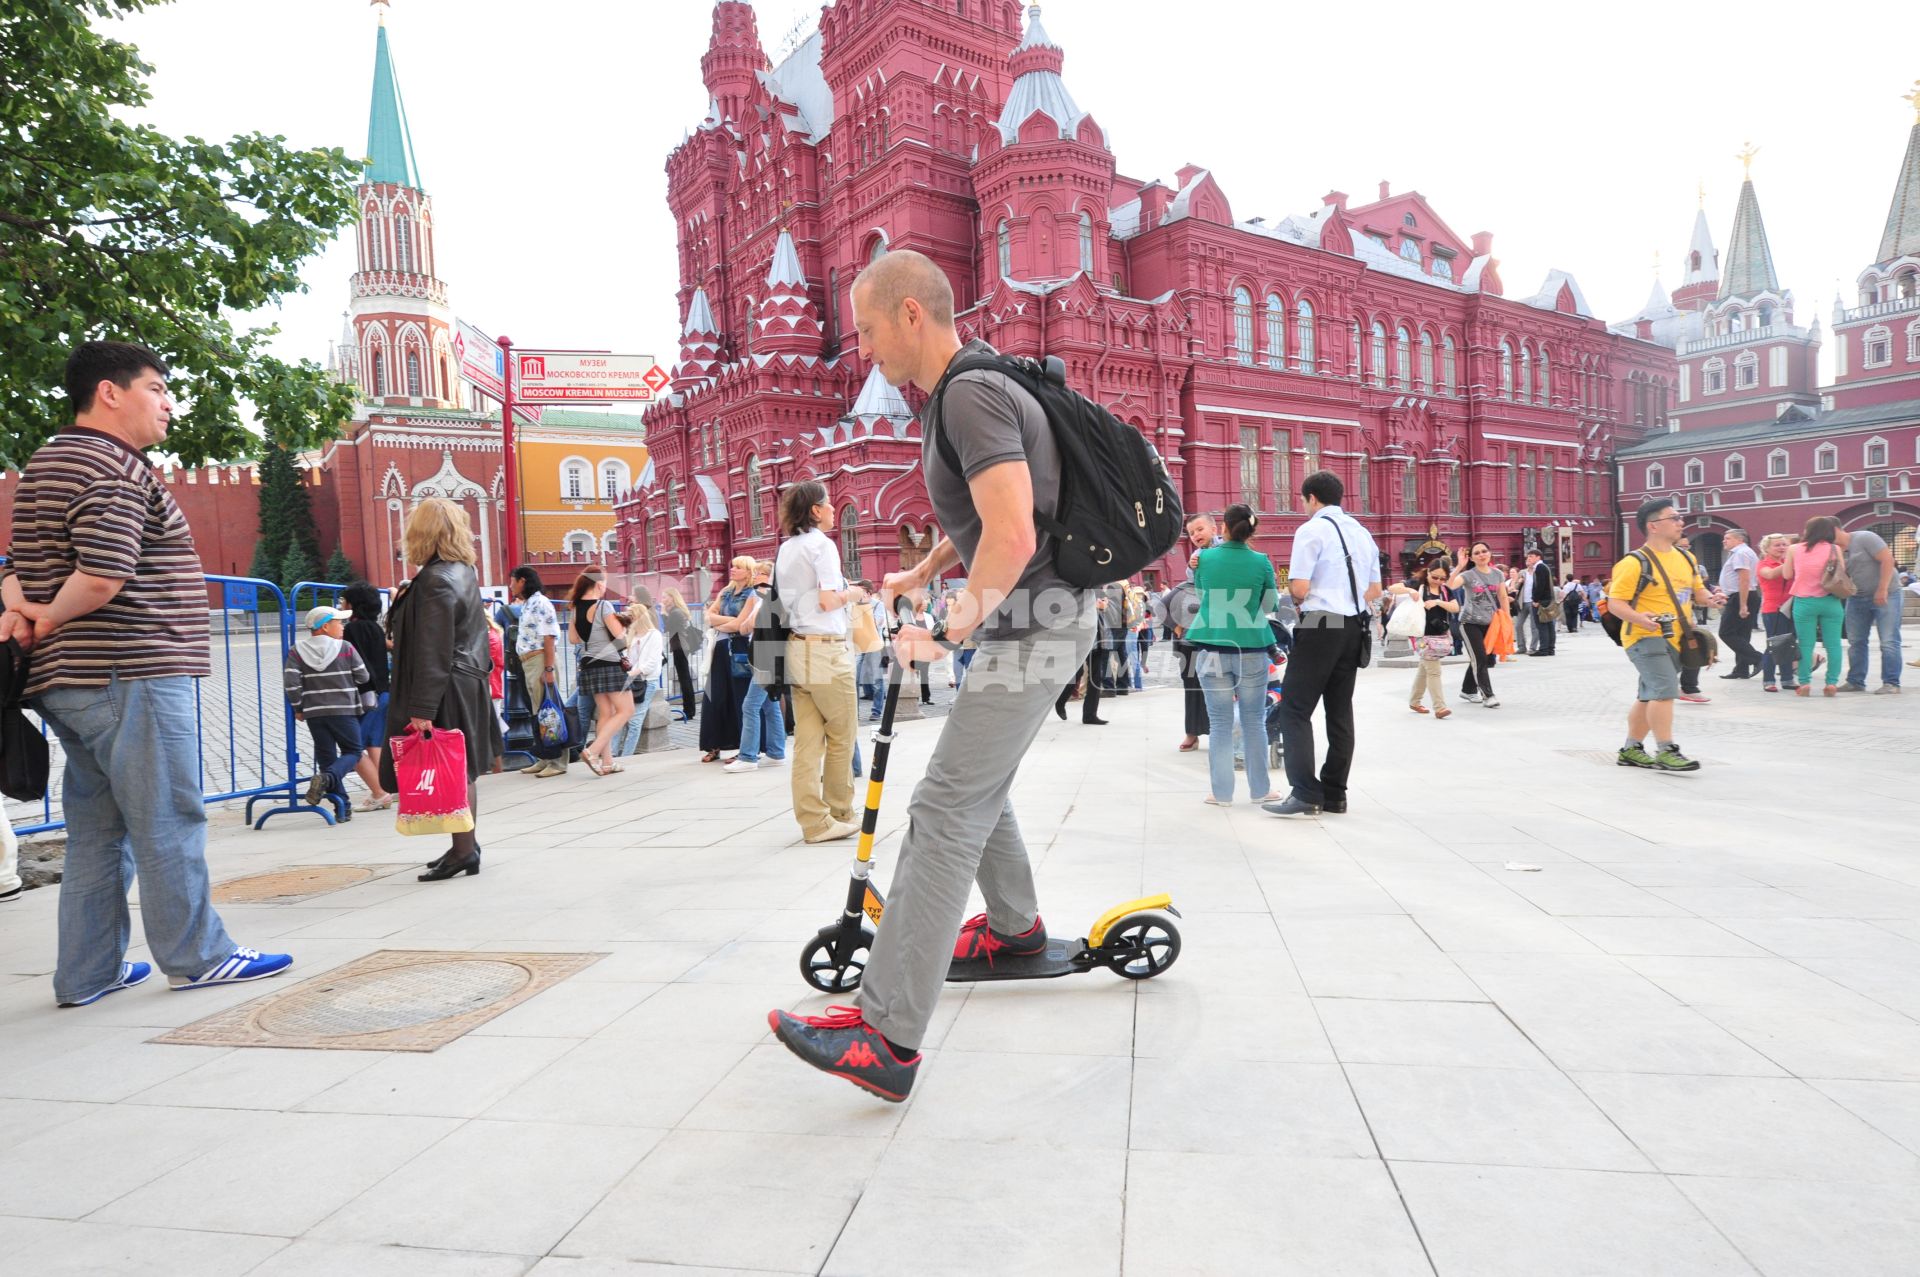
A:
(1230, 636)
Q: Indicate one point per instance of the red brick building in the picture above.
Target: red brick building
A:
(1366, 337)
(1757, 443)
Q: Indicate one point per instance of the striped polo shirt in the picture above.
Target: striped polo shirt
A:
(89, 502)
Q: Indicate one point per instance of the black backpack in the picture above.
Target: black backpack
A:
(24, 758)
(1118, 511)
(1611, 624)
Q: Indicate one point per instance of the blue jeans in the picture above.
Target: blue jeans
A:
(1231, 680)
(870, 680)
(761, 721)
(1863, 617)
(336, 750)
(1776, 623)
(962, 659)
(133, 806)
(629, 741)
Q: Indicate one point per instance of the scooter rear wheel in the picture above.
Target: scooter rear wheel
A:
(1141, 945)
(831, 973)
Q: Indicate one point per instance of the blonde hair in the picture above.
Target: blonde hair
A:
(673, 600)
(640, 620)
(746, 561)
(438, 529)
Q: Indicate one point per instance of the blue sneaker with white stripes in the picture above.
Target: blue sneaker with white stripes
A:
(239, 967)
(131, 973)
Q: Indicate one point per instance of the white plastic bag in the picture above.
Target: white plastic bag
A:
(1408, 619)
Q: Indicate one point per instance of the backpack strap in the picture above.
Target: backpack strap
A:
(1005, 364)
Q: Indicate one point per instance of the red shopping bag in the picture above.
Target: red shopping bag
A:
(431, 767)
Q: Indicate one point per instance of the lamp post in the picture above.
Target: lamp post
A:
(510, 458)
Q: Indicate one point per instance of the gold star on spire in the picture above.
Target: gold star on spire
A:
(381, 5)
(1746, 160)
(1703, 192)
(1914, 98)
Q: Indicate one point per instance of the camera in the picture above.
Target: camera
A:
(1666, 620)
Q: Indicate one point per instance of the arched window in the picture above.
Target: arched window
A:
(613, 478)
(1086, 243)
(580, 545)
(377, 362)
(1426, 360)
(1377, 357)
(1447, 369)
(879, 248)
(1656, 476)
(1713, 375)
(1402, 357)
(1276, 331)
(376, 245)
(1410, 251)
(1526, 370)
(1364, 487)
(1694, 473)
(1777, 464)
(833, 304)
(573, 479)
(403, 242)
(1746, 371)
(1003, 239)
(1876, 453)
(1441, 268)
(609, 542)
(1542, 386)
(1826, 459)
(1243, 326)
(1735, 468)
(1353, 349)
(413, 371)
(756, 522)
(1303, 336)
(849, 541)
(1506, 370)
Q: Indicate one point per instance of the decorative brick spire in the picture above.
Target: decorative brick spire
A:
(1902, 235)
(699, 343)
(787, 323)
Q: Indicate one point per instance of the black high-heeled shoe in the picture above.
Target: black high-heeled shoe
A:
(450, 868)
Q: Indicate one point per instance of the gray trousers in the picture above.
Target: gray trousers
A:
(961, 828)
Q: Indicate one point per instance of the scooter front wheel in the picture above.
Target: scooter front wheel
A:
(831, 966)
(1141, 945)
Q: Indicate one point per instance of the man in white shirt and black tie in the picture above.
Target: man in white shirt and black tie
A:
(1334, 576)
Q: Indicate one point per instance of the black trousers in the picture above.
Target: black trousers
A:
(1090, 703)
(1479, 676)
(1544, 632)
(1196, 700)
(1737, 632)
(683, 674)
(1321, 671)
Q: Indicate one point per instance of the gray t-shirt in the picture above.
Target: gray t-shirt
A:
(1863, 563)
(1482, 591)
(989, 419)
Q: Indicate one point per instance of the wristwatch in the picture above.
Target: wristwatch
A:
(939, 635)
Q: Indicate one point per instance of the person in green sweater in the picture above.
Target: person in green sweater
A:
(1230, 636)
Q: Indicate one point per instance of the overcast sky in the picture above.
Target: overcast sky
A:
(1577, 135)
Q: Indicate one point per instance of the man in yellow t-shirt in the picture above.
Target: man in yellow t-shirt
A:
(1650, 628)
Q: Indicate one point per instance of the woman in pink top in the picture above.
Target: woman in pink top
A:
(1817, 615)
(1774, 584)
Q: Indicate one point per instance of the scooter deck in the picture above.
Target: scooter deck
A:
(1063, 957)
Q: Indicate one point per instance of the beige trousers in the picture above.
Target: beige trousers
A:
(825, 709)
(1427, 679)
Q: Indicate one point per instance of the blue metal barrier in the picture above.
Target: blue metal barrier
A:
(247, 744)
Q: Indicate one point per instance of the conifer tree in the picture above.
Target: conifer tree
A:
(339, 569)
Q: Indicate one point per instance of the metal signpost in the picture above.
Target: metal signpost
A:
(538, 377)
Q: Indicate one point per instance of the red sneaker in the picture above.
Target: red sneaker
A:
(978, 940)
(842, 1043)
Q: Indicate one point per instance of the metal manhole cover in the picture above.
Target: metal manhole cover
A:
(393, 1000)
(296, 883)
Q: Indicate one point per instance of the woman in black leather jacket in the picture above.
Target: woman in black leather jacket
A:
(440, 660)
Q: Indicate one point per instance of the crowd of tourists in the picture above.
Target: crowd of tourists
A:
(103, 596)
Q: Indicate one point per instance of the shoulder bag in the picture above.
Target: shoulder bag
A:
(1697, 647)
(1834, 578)
(1366, 629)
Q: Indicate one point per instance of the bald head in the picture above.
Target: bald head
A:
(902, 274)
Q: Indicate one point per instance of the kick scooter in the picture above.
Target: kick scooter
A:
(1135, 940)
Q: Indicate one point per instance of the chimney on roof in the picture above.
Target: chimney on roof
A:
(1154, 199)
(1336, 198)
(1187, 173)
(1482, 243)
(1384, 190)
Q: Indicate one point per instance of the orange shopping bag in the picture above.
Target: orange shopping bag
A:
(1500, 636)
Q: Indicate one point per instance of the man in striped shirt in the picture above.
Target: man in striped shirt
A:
(105, 585)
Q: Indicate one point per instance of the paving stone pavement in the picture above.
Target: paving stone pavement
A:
(1688, 1044)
